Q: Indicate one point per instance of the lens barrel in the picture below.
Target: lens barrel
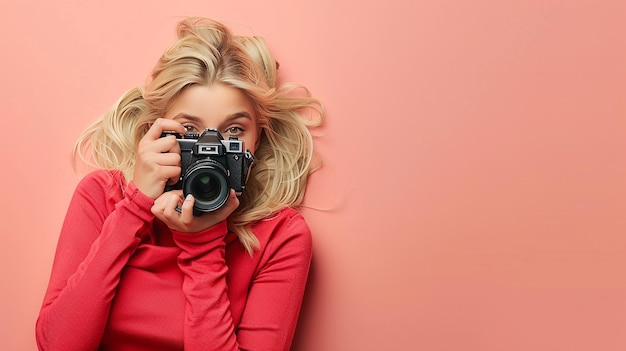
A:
(207, 181)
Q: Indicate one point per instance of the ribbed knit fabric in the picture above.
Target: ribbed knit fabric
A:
(121, 280)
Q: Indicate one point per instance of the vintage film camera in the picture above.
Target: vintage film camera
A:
(210, 167)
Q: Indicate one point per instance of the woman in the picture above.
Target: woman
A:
(136, 268)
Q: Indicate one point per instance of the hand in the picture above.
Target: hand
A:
(157, 163)
(164, 208)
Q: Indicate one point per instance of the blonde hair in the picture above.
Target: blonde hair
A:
(207, 53)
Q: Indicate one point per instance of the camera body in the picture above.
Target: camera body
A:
(210, 167)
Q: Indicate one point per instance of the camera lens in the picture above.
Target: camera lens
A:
(207, 181)
(206, 187)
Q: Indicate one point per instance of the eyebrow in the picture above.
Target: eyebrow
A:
(229, 118)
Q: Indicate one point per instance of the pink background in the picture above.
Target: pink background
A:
(475, 183)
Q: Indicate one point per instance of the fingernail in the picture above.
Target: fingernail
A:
(189, 197)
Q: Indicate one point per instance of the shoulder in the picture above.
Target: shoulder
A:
(286, 228)
(102, 178)
(101, 184)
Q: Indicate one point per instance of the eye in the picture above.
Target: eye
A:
(233, 130)
(189, 128)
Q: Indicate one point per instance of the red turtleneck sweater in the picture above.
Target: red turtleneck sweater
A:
(122, 280)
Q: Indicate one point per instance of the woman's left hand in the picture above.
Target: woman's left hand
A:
(164, 208)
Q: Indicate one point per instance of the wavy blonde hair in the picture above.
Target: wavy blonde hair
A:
(207, 53)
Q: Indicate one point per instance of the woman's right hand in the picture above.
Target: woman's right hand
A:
(157, 163)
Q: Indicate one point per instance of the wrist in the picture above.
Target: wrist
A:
(140, 201)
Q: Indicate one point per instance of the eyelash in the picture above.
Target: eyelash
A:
(194, 129)
(240, 130)
(191, 128)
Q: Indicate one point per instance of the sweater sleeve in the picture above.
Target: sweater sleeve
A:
(274, 300)
(99, 234)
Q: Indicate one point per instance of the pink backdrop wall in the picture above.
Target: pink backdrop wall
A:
(475, 160)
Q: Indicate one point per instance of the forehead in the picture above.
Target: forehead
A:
(211, 102)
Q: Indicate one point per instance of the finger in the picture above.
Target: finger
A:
(231, 205)
(168, 175)
(233, 201)
(161, 125)
(167, 144)
(178, 193)
(186, 213)
(160, 203)
(172, 173)
(166, 159)
(173, 201)
(158, 206)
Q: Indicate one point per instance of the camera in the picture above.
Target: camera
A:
(210, 167)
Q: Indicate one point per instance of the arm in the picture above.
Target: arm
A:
(271, 314)
(274, 300)
(98, 237)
